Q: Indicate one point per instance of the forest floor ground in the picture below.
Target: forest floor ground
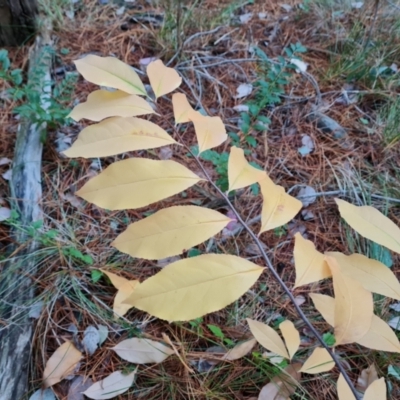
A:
(352, 55)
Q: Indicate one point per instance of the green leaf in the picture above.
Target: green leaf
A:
(329, 339)
(193, 252)
(216, 331)
(96, 275)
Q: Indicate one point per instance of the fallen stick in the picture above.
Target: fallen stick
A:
(17, 289)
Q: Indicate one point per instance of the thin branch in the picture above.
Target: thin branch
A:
(276, 275)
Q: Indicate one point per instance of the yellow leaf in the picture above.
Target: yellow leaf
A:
(291, 336)
(373, 275)
(309, 263)
(116, 280)
(367, 376)
(124, 291)
(142, 351)
(371, 223)
(319, 361)
(379, 337)
(137, 182)
(278, 207)
(170, 232)
(102, 104)
(210, 132)
(162, 79)
(111, 72)
(240, 172)
(267, 337)
(118, 135)
(61, 364)
(125, 288)
(192, 287)
(240, 350)
(354, 306)
(376, 390)
(183, 111)
(343, 389)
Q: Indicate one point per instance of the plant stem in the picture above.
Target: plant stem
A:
(276, 276)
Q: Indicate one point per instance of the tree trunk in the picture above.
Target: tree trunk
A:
(17, 21)
(17, 287)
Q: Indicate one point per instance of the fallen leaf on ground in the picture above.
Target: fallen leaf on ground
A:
(240, 350)
(243, 90)
(5, 213)
(60, 364)
(78, 386)
(46, 394)
(91, 338)
(283, 385)
(307, 145)
(307, 195)
(366, 377)
(301, 66)
(142, 351)
(110, 387)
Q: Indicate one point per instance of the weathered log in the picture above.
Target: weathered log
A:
(17, 21)
(17, 289)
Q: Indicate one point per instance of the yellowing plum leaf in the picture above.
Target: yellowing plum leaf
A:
(354, 306)
(210, 131)
(379, 336)
(373, 275)
(125, 288)
(371, 224)
(192, 287)
(319, 361)
(291, 336)
(61, 364)
(309, 263)
(142, 351)
(118, 135)
(170, 232)
(137, 182)
(102, 104)
(116, 280)
(240, 350)
(376, 390)
(343, 389)
(240, 172)
(183, 111)
(162, 79)
(267, 337)
(278, 207)
(124, 291)
(111, 72)
(110, 387)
